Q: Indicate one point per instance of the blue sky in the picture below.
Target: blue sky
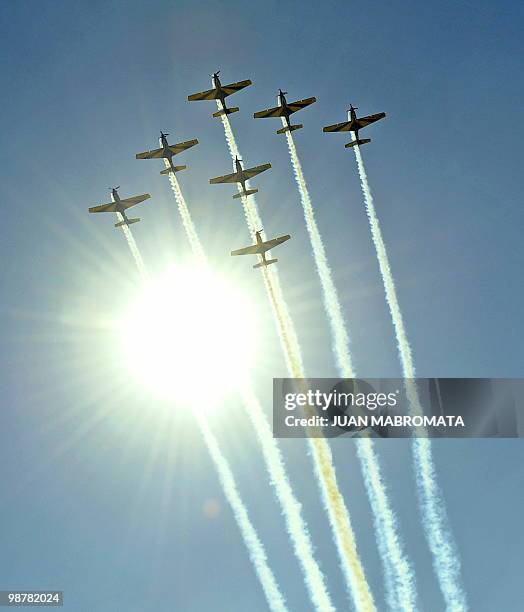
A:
(103, 483)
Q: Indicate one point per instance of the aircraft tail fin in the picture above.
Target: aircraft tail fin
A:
(245, 193)
(290, 128)
(126, 222)
(226, 111)
(174, 168)
(359, 142)
(264, 264)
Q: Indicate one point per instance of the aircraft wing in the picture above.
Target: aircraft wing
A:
(154, 154)
(300, 104)
(345, 126)
(182, 146)
(258, 249)
(227, 178)
(210, 94)
(110, 207)
(269, 244)
(363, 121)
(250, 250)
(251, 172)
(128, 202)
(234, 87)
(276, 111)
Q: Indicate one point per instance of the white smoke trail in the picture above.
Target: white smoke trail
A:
(445, 555)
(187, 221)
(253, 543)
(254, 223)
(334, 504)
(401, 592)
(291, 507)
(255, 547)
(329, 291)
(133, 248)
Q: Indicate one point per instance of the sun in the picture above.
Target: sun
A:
(190, 334)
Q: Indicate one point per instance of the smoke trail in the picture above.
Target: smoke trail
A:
(253, 543)
(400, 589)
(445, 556)
(254, 223)
(133, 248)
(255, 547)
(329, 291)
(338, 514)
(291, 507)
(335, 506)
(187, 221)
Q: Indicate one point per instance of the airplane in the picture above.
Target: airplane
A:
(285, 109)
(261, 247)
(167, 151)
(120, 206)
(220, 92)
(241, 176)
(354, 124)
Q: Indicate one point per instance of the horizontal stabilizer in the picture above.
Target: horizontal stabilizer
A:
(128, 222)
(226, 111)
(289, 128)
(360, 141)
(246, 193)
(264, 264)
(175, 168)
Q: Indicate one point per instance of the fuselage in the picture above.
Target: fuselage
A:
(166, 151)
(240, 171)
(116, 199)
(282, 102)
(218, 86)
(352, 117)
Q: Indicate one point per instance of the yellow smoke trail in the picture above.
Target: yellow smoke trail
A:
(291, 507)
(253, 543)
(133, 248)
(445, 556)
(338, 514)
(400, 587)
(335, 506)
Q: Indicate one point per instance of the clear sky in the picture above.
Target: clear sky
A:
(104, 485)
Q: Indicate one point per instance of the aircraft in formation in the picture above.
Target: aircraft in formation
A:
(167, 151)
(117, 205)
(354, 124)
(240, 176)
(285, 109)
(261, 248)
(220, 92)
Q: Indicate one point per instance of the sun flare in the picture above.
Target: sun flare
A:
(189, 333)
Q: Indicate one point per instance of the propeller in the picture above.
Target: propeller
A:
(115, 188)
(162, 133)
(215, 74)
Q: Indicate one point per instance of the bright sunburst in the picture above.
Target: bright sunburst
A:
(189, 332)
